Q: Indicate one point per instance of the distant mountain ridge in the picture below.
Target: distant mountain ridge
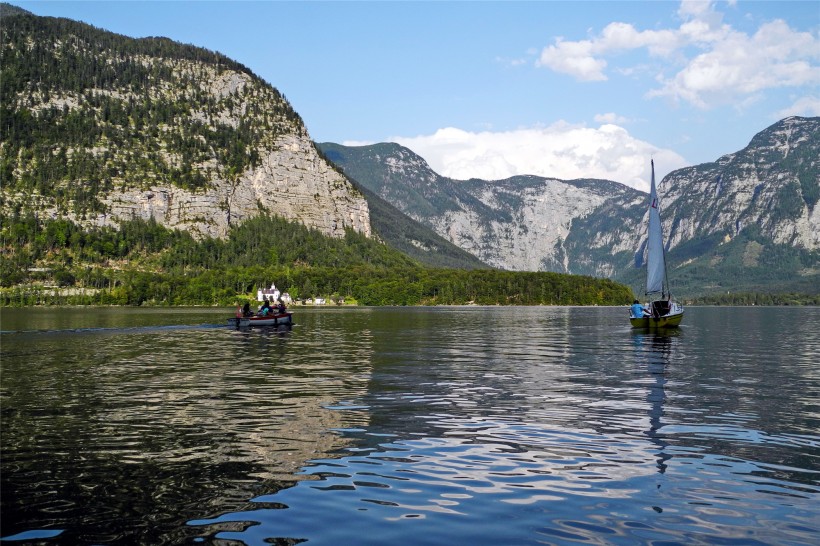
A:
(748, 221)
(520, 223)
(99, 128)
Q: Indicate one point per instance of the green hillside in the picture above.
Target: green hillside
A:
(402, 232)
(80, 104)
(86, 113)
(55, 261)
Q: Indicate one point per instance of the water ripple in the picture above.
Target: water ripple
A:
(462, 487)
(430, 426)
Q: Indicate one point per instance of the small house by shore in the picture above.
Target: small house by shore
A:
(272, 294)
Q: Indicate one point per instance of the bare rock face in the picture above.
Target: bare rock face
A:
(526, 237)
(523, 223)
(763, 196)
(771, 185)
(153, 129)
(292, 182)
(295, 183)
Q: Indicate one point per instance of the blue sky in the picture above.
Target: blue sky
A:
(492, 89)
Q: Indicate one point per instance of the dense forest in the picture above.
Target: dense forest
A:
(758, 298)
(84, 111)
(144, 263)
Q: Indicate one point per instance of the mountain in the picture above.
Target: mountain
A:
(748, 221)
(414, 239)
(522, 223)
(146, 172)
(99, 128)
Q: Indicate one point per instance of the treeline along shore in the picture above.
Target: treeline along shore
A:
(50, 261)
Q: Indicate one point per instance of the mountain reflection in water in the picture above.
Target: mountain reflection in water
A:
(430, 426)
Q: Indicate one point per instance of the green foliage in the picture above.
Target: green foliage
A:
(84, 111)
(757, 298)
(749, 264)
(143, 263)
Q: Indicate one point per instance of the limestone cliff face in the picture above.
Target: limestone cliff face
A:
(524, 223)
(736, 213)
(291, 181)
(106, 128)
(771, 185)
(531, 219)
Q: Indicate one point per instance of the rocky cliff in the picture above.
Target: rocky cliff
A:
(521, 223)
(747, 221)
(99, 128)
(772, 185)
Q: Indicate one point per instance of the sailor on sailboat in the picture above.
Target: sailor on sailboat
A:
(663, 311)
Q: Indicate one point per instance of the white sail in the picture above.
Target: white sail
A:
(655, 266)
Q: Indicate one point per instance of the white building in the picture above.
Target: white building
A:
(272, 294)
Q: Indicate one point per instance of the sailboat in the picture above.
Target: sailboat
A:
(661, 311)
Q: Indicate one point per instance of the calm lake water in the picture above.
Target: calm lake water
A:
(480, 426)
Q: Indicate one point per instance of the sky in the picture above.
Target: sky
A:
(489, 89)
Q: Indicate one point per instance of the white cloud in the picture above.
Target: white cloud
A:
(560, 150)
(573, 58)
(622, 37)
(729, 65)
(583, 60)
(804, 106)
(610, 117)
(741, 65)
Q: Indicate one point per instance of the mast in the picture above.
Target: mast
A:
(655, 255)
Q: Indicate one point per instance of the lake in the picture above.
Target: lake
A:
(454, 425)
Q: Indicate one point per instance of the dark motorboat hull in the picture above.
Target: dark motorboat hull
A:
(278, 319)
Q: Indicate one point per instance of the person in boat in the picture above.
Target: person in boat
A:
(638, 310)
(246, 310)
(265, 309)
(280, 308)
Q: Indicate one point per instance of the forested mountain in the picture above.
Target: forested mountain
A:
(748, 221)
(122, 156)
(143, 171)
(99, 128)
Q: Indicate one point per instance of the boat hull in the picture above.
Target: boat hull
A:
(671, 320)
(279, 319)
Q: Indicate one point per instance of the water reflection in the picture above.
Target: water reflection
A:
(656, 361)
(431, 426)
(546, 442)
(121, 435)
